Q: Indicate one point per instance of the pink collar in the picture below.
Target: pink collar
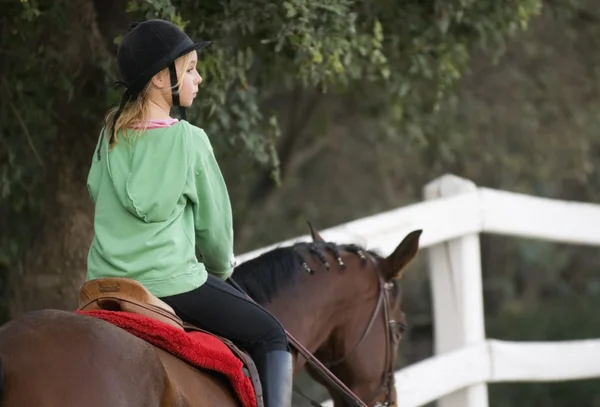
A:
(156, 124)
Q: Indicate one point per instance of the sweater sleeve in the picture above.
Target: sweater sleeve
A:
(212, 209)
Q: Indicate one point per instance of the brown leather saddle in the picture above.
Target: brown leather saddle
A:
(127, 295)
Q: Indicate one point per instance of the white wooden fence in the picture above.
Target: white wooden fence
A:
(455, 211)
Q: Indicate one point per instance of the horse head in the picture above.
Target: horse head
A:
(343, 303)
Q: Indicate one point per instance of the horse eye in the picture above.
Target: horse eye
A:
(398, 327)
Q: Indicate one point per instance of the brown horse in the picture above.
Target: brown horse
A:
(341, 301)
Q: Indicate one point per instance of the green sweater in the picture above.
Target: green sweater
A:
(156, 197)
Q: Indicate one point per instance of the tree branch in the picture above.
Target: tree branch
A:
(261, 195)
(307, 154)
(298, 119)
(21, 123)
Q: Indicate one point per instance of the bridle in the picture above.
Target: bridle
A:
(392, 335)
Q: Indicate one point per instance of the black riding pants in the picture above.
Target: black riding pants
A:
(219, 308)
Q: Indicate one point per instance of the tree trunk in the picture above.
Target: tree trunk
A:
(53, 267)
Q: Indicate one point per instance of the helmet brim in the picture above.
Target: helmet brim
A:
(194, 47)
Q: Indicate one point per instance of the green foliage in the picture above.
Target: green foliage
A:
(395, 60)
(404, 56)
(26, 120)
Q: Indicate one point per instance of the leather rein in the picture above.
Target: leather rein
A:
(391, 335)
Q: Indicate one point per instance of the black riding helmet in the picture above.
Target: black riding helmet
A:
(146, 49)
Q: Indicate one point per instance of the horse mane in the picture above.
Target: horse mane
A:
(263, 277)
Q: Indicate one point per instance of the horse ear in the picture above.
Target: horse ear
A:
(393, 265)
(316, 237)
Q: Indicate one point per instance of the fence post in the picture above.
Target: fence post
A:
(457, 292)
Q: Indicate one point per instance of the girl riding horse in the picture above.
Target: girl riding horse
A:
(159, 194)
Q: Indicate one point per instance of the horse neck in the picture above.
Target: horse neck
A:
(319, 303)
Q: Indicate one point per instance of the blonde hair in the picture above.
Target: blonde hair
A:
(136, 111)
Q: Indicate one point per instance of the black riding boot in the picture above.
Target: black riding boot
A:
(275, 371)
